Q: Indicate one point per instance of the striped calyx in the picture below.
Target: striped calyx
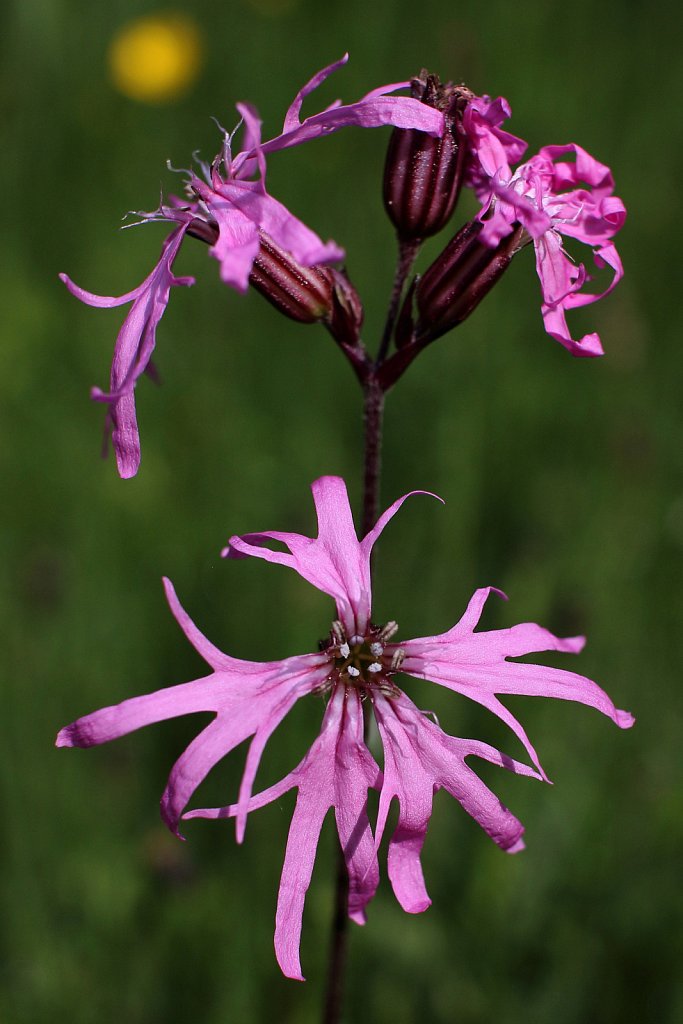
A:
(423, 174)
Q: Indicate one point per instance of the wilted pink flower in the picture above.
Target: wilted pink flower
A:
(552, 197)
(229, 208)
(358, 662)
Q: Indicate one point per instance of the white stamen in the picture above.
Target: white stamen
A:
(376, 649)
(344, 650)
(388, 631)
(375, 667)
(353, 671)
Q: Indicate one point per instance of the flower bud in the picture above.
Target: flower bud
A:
(457, 281)
(304, 294)
(423, 174)
(308, 295)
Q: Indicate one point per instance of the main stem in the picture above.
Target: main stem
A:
(373, 413)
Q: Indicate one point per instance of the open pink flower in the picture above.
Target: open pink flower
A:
(229, 208)
(552, 197)
(358, 662)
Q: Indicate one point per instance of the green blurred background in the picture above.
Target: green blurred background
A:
(563, 481)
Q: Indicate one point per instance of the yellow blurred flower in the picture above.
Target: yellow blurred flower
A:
(156, 59)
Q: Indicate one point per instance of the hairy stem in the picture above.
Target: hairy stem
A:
(373, 415)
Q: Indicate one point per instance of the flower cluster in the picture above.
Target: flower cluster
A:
(229, 207)
(562, 191)
(357, 667)
(444, 137)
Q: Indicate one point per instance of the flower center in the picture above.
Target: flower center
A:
(363, 662)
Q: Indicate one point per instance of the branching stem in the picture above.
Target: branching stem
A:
(407, 252)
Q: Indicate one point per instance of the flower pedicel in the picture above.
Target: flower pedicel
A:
(359, 662)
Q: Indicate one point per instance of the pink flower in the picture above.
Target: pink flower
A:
(551, 197)
(230, 209)
(358, 662)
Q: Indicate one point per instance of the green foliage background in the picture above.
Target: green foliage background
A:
(564, 486)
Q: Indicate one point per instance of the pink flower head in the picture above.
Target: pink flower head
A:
(552, 197)
(359, 662)
(229, 208)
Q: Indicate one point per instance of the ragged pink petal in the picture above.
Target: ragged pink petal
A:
(373, 110)
(247, 699)
(251, 139)
(134, 346)
(337, 772)
(371, 538)
(292, 117)
(237, 244)
(254, 706)
(605, 256)
(476, 664)
(561, 281)
(583, 169)
(419, 759)
(335, 561)
(209, 652)
(266, 728)
(555, 322)
(492, 149)
(110, 723)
